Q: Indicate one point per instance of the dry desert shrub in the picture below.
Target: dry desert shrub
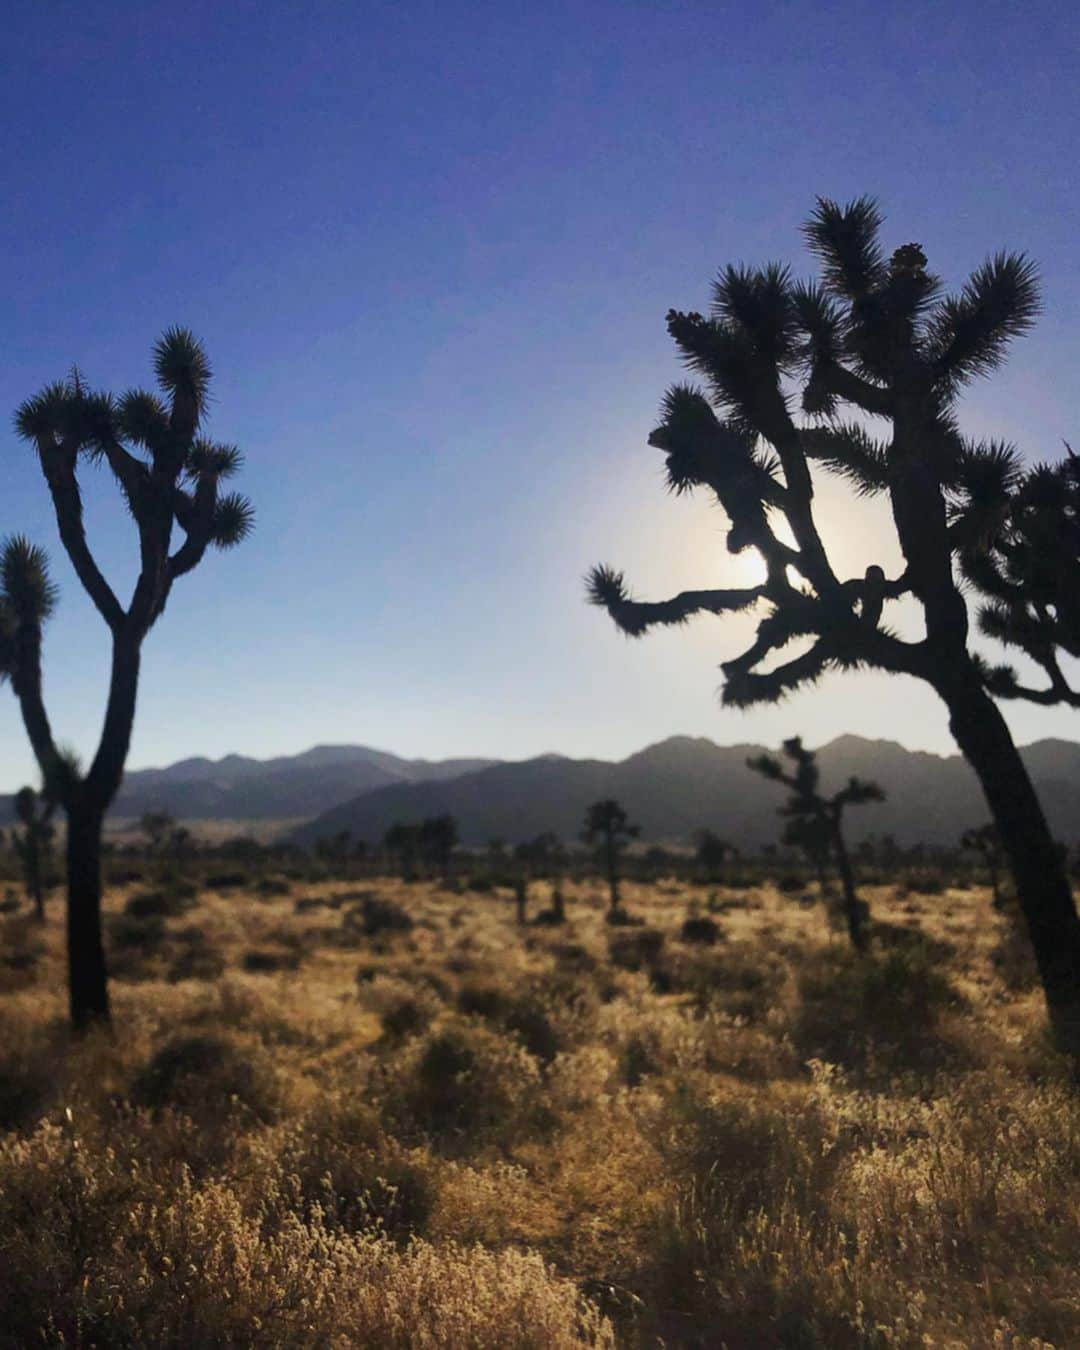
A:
(193, 1265)
(505, 1137)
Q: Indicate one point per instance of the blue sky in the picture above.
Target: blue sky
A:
(429, 248)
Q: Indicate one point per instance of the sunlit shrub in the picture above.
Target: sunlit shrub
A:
(208, 1077)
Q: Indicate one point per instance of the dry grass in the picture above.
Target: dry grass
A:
(467, 1134)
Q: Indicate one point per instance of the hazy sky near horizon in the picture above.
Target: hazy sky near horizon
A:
(429, 249)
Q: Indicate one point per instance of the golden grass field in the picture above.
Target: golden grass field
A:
(476, 1135)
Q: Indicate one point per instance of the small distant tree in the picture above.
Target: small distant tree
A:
(711, 852)
(157, 826)
(169, 477)
(335, 849)
(879, 336)
(812, 813)
(180, 846)
(33, 843)
(608, 826)
(402, 843)
(985, 841)
(521, 896)
(542, 857)
(658, 861)
(437, 839)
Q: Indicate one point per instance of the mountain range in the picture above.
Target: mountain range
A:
(672, 789)
(288, 788)
(684, 784)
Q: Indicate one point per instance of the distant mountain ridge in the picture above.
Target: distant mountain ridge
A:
(683, 784)
(287, 788)
(672, 789)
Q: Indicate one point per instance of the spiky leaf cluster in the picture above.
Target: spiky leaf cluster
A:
(27, 592)
(1025, 562)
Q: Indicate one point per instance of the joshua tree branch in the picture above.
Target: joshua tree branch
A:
(1003, 683)
(744, 688)
(59, 469)
(26, 682)
(195, 517)
(634, 617)
(845, 384)
(130, 472)
(1048, 697)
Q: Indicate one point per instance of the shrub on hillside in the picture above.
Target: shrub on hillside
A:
(637, 950)
(263, 961)
(375, 916)
(700, 928)
(208, 1077)
(464, 1086)
(168, 903)
(880, 1010)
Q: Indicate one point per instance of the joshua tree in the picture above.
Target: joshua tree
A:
(335, 849)
(438, 837)
(877, 335)
(157, 826)
(34, 842)
(608, 825)
(180, 846)
(811, 812)
(543, 856)
(402, 842)
(169, 477)
(984, 841)
(711, 852)
(521, 897)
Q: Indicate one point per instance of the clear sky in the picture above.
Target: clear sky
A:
(429, 248)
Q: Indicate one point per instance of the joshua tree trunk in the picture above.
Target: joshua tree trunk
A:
(39, 894)
(86, 805)
(521, 898)
(33, 873)
(852, 908)
(613, 874)
(995, 881)
(558, 905)
(87, 980)
(1042, 888)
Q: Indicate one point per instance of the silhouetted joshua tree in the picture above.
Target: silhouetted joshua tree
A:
(33, 843)
(169, 477)
(880, 336)
(985, 841)
(543, 856)
(711, 853)
(438, 837)
(608, 825)
(521, 897)
(807, 807)
(158, 827)
(402, 842)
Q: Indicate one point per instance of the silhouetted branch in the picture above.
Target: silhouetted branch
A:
(606, 588)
